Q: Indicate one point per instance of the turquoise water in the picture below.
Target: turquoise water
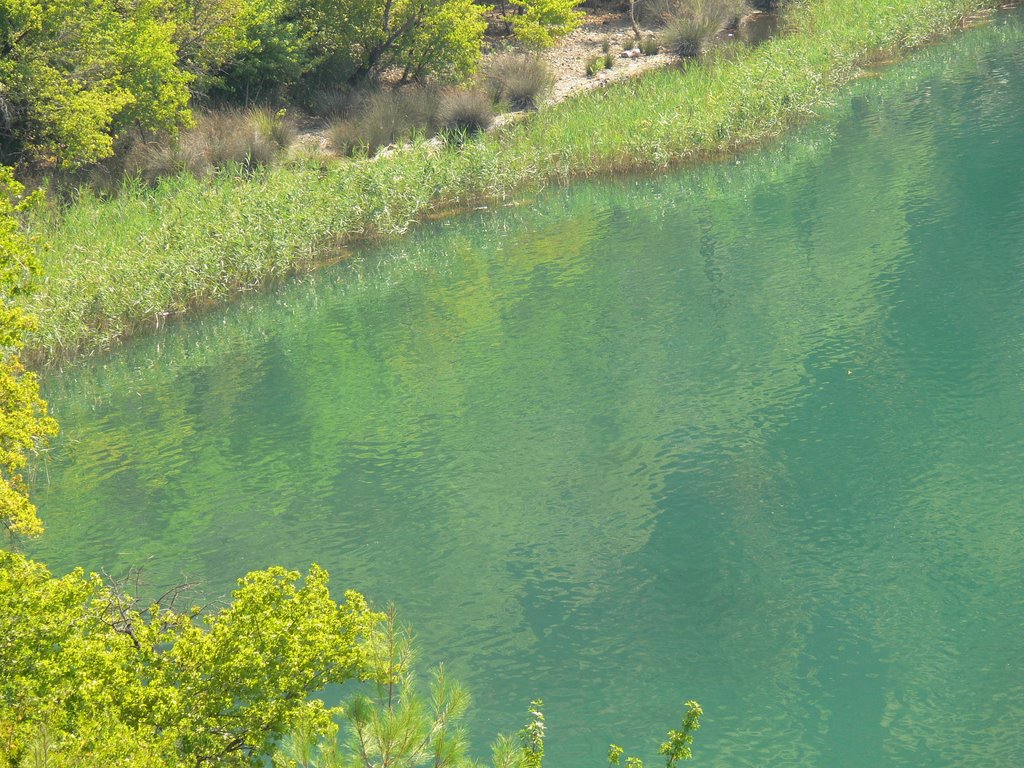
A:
(749, 434)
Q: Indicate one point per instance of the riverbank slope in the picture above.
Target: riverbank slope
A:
(124, 265)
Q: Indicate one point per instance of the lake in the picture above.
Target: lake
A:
(749, 433)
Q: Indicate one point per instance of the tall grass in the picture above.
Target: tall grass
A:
(248, 138)
(516, 80)
(120, 265)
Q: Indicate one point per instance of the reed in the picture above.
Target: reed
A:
(124, 264)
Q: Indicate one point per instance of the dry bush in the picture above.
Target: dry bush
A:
(420, 104)
(687, 37)
(231, 136)
(649, 46)
(246, 138)
(689, 25)
(518, 80)
(465, 110)
(275, 126)
(343, 136)
(334, 102)
(384, 118)
(718, 13)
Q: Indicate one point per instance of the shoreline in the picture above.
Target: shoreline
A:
(238, 233)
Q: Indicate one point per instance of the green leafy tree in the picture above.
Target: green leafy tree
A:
(75, 73)
(208, 34)
(277, 50)
(360, 39)
(532, 736)
(94, 678)
(447, 43)
(539, 23)
(679, 742)
(353, 41)
(24, 425)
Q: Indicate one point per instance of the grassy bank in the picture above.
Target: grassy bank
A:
(122, 265)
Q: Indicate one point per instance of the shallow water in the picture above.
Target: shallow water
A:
(749, 434)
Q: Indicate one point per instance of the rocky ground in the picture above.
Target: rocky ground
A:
(569, 56)
(568, 59)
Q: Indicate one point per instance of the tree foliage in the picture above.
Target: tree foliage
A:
(24, 425)
(354, 41)
(539, 23)
(74, 73)
(93, 677)
(208, 34)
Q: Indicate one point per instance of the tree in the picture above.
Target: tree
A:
(208, 34)
(76, 73)
(447, 44)
(354, 41)
(538, 23)
(276, 52)
(24, 425)
(90, 676)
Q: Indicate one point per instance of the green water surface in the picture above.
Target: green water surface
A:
(750, 434)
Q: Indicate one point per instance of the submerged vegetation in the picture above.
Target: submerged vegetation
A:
(188, 242)
(103, 672)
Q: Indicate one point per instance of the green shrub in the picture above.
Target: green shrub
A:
(594, 65)
(541, 22)
(465, 110)
(608, 60)
(518, 80)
